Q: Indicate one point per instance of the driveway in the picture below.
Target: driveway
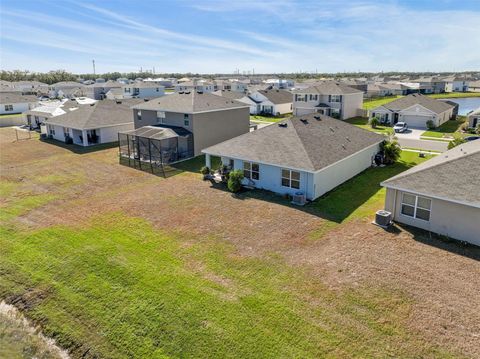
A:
(411, 133)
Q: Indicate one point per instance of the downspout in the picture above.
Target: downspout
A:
(394, 203)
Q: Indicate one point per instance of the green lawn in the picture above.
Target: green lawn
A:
(259, 118)
(362, 122)
(11, 115)
(361, 196)
(372, 103)
(116, 287)
(447, 129)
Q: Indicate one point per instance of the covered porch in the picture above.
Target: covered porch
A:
(86, 137)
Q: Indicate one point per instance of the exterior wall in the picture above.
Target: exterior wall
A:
(59, 132)
(8, 121)
(415, 116)
(143, 92)
(330, 177)
(474, 120)
(351, 104)
(149, 118)
(210, 128)
(271, 179)
(283, 108)
(446, 218)
(110, 134)
(17, 108)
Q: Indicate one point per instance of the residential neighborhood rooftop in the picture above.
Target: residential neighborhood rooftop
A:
(190, 102)
(413, 99)
(16, 97)
(452, 175)
(277, 96)
(329, 88)
(309, 143)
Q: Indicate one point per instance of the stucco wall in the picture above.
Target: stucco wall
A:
(446, 218)
(210, 128)
(110, 134)
(17, 108)
(332, 176)
(351, 104)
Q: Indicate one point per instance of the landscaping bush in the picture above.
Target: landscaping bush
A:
(205, 170)
(458, 140)
(374, 122)
(431, 125)
(235, 181)
(391, 151)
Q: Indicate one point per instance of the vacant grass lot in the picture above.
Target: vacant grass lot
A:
(113, 262)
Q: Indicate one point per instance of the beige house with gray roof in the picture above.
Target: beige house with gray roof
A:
(441, 195)
(328, 98)
(415, 110)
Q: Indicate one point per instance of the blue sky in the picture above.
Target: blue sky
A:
(222, 36)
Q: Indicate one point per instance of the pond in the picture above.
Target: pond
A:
(465, 104)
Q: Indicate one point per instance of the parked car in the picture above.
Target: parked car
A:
(472, 138)
(400, 127)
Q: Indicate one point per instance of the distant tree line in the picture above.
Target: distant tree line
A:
(62, 75)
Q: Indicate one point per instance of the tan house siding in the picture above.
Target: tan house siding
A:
(450, 219)
(210, 128)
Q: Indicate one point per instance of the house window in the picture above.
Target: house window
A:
(157, 89)
(335, 98)
(186, 121)
(251, 170)
(290, 179)
(139, 114)
(8, 107)
(127, 89)
(65, 132)
(160, 117)
(52, 131)
(416, 206)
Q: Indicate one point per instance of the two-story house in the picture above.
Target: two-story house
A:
(143, 90)
(195, 86)
(328, 98)
(181, 125)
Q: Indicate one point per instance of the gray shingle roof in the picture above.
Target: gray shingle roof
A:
(101, 114)
(277, 97)
(329, 88)
(308, 145)
(231, 95)
(16, 97)
(189, 103)
(454, 175)
(413, 99)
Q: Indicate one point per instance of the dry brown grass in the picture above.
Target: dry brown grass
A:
(443, 284)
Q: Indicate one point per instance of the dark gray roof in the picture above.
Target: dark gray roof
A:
(329, 88)
(16, 97)
(231, 95)
(277, 97)
(413, 99)
(101, 114)
(453, 175)
(309, 145)
(190, 103)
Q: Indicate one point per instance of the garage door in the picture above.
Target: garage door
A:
(416, 121)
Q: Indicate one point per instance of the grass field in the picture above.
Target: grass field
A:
(363, 123)
(447, 129)
(116, 263)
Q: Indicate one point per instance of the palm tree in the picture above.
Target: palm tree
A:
(391, 150)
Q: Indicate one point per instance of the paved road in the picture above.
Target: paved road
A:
(423, 144)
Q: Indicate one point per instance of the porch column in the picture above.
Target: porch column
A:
(208, 161)
(85, 139)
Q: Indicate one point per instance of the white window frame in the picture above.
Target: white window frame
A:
(8, 107)
(289, 178)
(160, 116)
(416, 207)
(336, 98)
(248, 171)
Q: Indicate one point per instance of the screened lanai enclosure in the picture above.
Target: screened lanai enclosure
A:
(151, 148)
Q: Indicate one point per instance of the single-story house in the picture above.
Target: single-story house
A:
(474, 86)
(15, 102)
(441, 195)
(474, 118)
(37, 116)
(415, 110)
(311, 154)
(92, 124)
(272, 102)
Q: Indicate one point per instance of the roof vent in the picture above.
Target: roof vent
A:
(117, 101)
(199, 92)
(343, 146)
(317, 118)
(145, 99)
(331, 129)
(304, 121)
(180, 92)
(348, 139)
(187, 92)
(283, 124)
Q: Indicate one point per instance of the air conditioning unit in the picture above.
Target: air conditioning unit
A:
(299, 199)
(383, 218)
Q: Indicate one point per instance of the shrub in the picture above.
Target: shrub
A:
(458, 140)
(205, 170)
(235, 181)
(391, 151)
(374, 122)
(430, 125)
(478, 130)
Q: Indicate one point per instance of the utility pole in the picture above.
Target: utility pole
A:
(93, 62)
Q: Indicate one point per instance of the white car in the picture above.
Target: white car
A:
(400, 127)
